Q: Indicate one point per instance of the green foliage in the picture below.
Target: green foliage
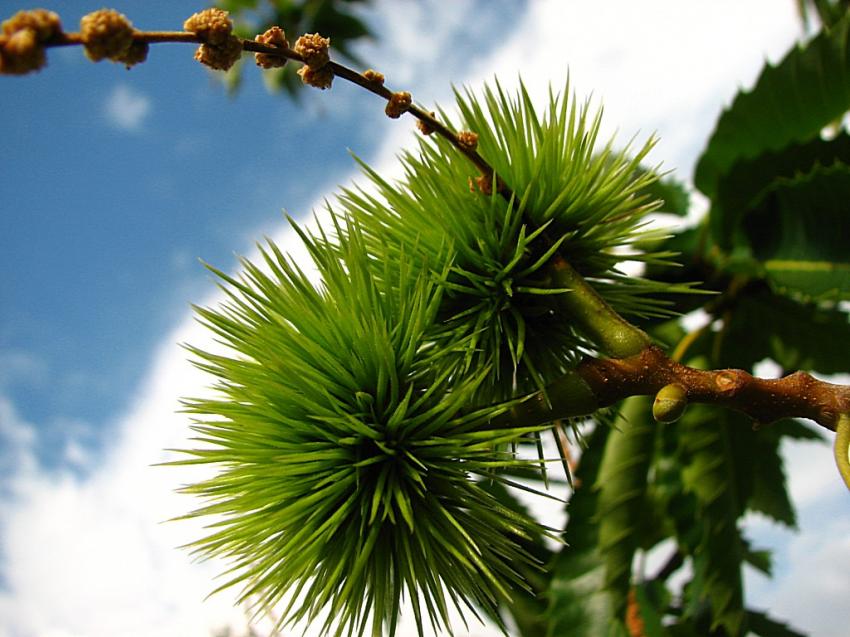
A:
(802, 335)
(828, 12)
(749, 182)
(709, 474)
(499, 300)
(354, 431)
(763, 625)
(621, 503)
(797, 234)
(580, 603)
(345, 465)
(791, 102)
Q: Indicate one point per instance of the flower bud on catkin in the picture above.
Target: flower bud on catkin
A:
(670, 403)
(22, 40)
(212, 25)
(273, 37)
(21, 53)
(220, 56)
(374, 76)
(314, 49)
(220, 49)
(106, 34)
(485, 184)
(424, 127)
(467, 140)
(45, 23)
(320, 78)
(398, 104)
(136, 54)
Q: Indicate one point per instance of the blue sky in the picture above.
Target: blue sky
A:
(114, 183)
(119, 182)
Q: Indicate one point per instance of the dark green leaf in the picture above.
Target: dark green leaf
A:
(798, 233)
(649, 614)
(709, 474)
(749, 178)
(758, 469)
(796, 430)
(764, 626)
(790, 102)
(622, 489)
(237, 5)
(759, 559)
(794, 334)
(579, 604)
(769, 494)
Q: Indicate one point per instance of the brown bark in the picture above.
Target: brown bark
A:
(798, 395)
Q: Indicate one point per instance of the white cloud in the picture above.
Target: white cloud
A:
(811, 586)
(17, 460)
(89, 557)
(126, 108)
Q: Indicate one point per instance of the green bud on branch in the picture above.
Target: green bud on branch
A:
(670, 403)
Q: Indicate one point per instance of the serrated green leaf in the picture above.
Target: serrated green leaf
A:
(794, 334)
(622, 483)
(579, 603)
(709, 475)
(798, 233)
(765, 626)
(743, 185)
(790, 102)
(759, 559)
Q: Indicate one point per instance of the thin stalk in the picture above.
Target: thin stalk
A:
(592, 315)
(584, 307)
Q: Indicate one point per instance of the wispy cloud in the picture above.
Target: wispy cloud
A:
(126, 108)
(91, 555)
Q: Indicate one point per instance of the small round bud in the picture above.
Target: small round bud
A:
(374, 76)
(485, 184)
(424, 127)
(136, 54)
(398, 104)
(273, 37)
(320, 78)
(220, 56)
(45, 23)
(670, 403)
(314, 49)
(212, 25)
(467, 140)
(21, 53)
(106, 34)
(22, 40)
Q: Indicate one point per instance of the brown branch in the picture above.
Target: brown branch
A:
(609, 381)
(339, 70)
